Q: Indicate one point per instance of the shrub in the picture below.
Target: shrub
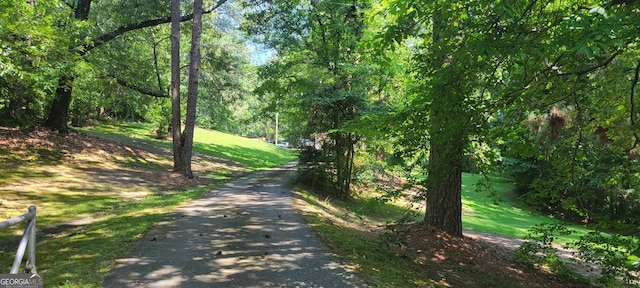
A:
(616, 255)
(540, 250)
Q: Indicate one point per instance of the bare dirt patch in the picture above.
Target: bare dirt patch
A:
(73, 144)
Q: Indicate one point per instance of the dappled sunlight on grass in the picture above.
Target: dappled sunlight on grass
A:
(349, 214)
(68, 193)
(495, 211)
(408, 255)
(104, 238)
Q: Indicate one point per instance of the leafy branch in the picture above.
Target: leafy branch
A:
(139, 89)
(632, 116)
(143, 24)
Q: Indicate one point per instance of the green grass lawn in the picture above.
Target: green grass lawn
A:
(251, 154)
(499, 213)
(497, 210)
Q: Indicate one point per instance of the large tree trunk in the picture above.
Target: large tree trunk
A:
(447, 119)
(82, 9)
(343, 159)
(448, 137)
(59, 111)
(176, 124)
(444, 187)
(192, 93)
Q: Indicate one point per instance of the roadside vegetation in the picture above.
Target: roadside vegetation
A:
(507, 243)
(377, 235)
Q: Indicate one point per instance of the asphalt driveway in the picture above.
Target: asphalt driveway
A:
(245, 234)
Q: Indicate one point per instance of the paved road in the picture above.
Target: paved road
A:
(246, 234)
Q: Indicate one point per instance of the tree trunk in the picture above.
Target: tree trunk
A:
(267, 131)
(444, 189)
(59, 111)
(343, 152)
(13, 110)
(447, 119)
(275, 141)
(350, 158)
(176, 123)
(192, 93)
(82, 10)
(448, 136)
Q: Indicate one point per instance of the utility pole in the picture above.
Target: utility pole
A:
(276, 138)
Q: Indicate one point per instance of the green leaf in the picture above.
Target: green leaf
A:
(598, 10)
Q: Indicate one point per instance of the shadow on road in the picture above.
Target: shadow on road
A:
(246, 234)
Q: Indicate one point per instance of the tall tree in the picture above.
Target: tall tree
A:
(328, 81)
(448, 118)
(473, 59)
(32, 46)
(192, 93)
(59, 112)
(176, 124)
(443, 107)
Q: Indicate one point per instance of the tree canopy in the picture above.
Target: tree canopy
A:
(473, 73)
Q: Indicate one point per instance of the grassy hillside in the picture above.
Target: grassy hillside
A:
(251, 154)
(497, 212)
(96, 197)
